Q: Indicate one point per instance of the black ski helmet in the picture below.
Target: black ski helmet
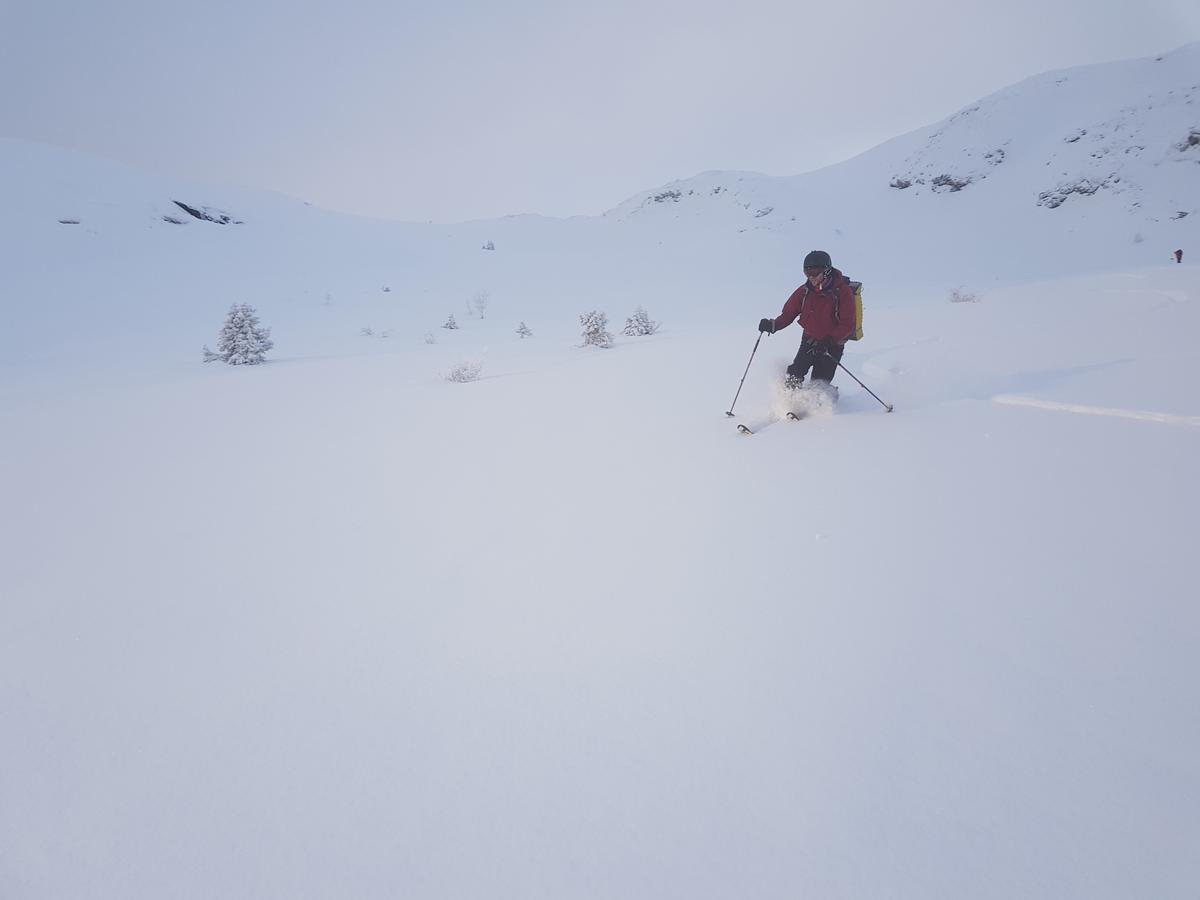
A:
(818, 258)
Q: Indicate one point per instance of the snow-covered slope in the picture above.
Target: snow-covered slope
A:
(1081, 168)
(704, 250)
(332, 627)
(335, 627)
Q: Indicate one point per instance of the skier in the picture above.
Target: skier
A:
(825, 305)
(1178, 256)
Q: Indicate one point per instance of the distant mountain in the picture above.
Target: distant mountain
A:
(1129, 130)
(1075, 171)
(1069, 168)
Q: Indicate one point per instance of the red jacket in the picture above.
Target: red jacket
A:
(827, 312)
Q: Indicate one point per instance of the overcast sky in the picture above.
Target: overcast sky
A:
(462, 109)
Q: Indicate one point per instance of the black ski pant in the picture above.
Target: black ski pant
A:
(812, 355)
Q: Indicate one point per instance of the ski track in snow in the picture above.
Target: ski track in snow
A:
(1114, 412)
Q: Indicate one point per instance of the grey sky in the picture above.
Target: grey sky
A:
(463, 109)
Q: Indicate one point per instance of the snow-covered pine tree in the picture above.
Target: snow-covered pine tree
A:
(241, 342)
(523, 331)
(450, 323)
(639, 324)
(595, 329)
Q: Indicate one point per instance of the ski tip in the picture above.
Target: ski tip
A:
(744, 430)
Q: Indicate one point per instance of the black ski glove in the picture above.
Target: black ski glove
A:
(767, 325)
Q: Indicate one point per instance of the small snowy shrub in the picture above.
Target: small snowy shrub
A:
(639, 324)
(595, 329)
(961, 295)
(480, 303)
(366, 332)
(1137, 238)
(386, 289)
(900, 183)
(489, 246)
(523, 331)
(429, 338)
(464, 372)
(241, 342)
(450, 323)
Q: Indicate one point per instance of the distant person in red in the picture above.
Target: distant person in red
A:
(825, 305)
(1178, 256)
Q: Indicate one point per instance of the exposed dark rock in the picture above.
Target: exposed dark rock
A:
(1084, 187)
(206, 214)
(949, 182)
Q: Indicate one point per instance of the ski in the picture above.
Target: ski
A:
(755, 427)
(746, 429)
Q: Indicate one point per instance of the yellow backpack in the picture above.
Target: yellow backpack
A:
(857, 334)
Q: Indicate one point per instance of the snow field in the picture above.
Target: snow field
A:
(333, 625)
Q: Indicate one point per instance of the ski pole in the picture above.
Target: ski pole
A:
(886, 406)
(729, 412)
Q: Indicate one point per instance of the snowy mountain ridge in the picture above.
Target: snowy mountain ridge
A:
(1070, 172)
(1110, 127)
(1100, 128)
